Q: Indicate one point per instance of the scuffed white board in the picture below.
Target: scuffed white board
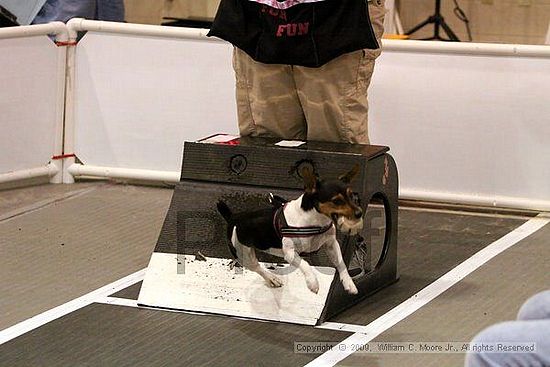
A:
(212, 287)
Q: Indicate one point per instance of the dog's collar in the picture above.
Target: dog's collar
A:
(284, 230)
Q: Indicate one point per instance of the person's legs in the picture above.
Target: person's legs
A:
(334, 99)
(334, 96)
(533, 326)
(267, 103)
(509, 334)
(536, 308)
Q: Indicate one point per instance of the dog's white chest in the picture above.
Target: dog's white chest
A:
(299, 218)
(309, 244)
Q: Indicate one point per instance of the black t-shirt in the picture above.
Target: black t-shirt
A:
(295, 32)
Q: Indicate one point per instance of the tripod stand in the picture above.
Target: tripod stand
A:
(438, 21)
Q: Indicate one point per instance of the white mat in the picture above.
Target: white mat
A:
(211, 287)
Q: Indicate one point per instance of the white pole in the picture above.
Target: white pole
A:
(469, 199)
(79, 24)
(55, 28)
(69, 144)
(62, 40)
(467, 48)
(47, 171)
(79, 170)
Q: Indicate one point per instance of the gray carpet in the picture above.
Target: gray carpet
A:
(73, 246)
(60, 242)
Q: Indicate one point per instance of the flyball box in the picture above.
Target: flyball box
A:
(189, 269)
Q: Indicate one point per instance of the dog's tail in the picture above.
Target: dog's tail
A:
(224, 210)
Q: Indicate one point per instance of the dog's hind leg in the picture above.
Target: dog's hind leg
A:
(248, 259)
(251, 262)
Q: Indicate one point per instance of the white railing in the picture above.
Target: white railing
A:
(467, 48)
(466, 122)
(33, 93)
(187, 111)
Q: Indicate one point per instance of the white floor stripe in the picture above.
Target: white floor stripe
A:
(326, 325)
(118, 301)
(420, 299)
(44, 203)
(337, 326)
(133, 303)
(64, 309)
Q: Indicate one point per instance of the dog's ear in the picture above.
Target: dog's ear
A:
(348, 177)
(310, 179)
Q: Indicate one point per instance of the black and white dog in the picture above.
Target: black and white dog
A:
(303, 225)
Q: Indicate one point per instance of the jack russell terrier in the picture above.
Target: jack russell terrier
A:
(303, 225)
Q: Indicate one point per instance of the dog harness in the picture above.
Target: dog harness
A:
(284, 230)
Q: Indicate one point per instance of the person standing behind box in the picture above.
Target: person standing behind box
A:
(302, 67)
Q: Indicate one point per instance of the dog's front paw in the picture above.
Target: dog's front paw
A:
(349, 285)
(273, 280)
(312, 284)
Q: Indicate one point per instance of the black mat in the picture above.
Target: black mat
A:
(106, 335)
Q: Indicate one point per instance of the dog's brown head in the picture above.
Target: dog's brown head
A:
(334, 198)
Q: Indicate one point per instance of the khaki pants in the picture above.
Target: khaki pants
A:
(328, 103)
